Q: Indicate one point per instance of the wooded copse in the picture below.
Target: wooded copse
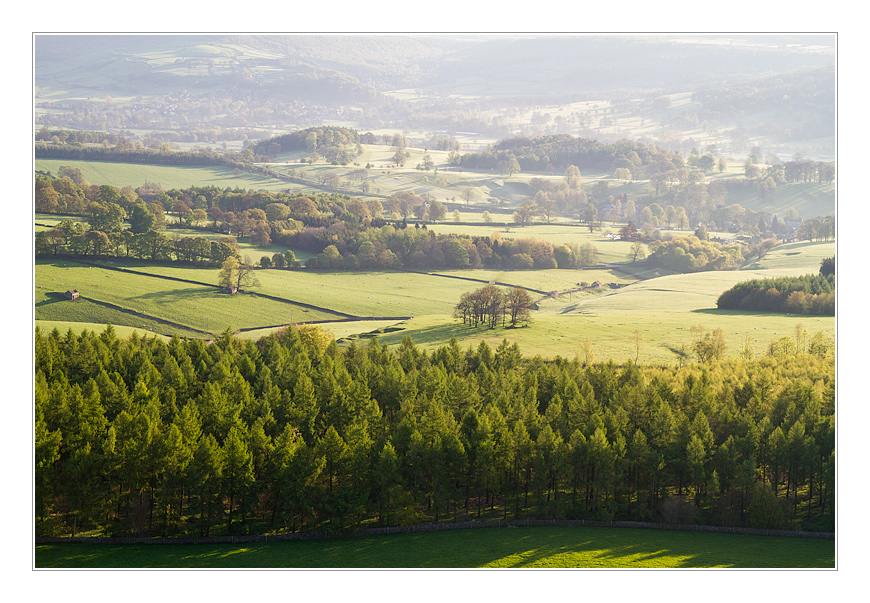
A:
(490, 304)
(691, 254)
(142, 436)
(807, 294)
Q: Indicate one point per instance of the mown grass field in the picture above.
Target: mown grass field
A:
(46, 326)
(794, 259)
(535, 547)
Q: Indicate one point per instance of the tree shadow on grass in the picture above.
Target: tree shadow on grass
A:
(180, 294)
(494, 547)
(51, 297)
(442, 333)
(742, 313)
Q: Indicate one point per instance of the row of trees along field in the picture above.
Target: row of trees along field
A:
(146, 436)
(343, 232)
(807, 294)
(420, 248)
(298, 222)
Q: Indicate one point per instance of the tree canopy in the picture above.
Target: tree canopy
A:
(144, 436)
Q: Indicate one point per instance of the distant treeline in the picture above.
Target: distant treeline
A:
(139, 155)
(808, 294)
(419, 248)
(345, 233)
(562, 150)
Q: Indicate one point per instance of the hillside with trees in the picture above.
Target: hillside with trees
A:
(560, 151)
(142, 436)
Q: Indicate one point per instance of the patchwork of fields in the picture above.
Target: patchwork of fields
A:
(393, 305)
(634, 298)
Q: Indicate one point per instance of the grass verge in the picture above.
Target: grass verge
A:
(532, 547)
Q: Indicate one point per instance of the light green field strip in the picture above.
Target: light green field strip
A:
(46, 326)
(355, 293)
(368, 293)
(809, 199)
(609, 251)
(795, 259)
(341, 330)
(133, 174)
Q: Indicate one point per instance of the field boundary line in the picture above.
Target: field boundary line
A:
(192, 282)
(321, 322)
(476, 280)
(143, 315)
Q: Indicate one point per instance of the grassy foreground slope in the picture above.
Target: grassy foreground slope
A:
(536, 547)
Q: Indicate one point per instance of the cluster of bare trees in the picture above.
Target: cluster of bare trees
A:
(490, 304)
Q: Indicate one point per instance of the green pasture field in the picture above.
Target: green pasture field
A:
(47, 326)
(521, 547)
(52, 220)
(376, 293)
(551, 335)
(389, 293)
(795, 259)
(344, 330)
(609, 251)
(198, 306)
(52, 310)
(169, 177)
(809, 199)
(663, 309)
(373, 293)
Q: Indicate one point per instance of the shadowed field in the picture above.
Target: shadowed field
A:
(550, 547)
